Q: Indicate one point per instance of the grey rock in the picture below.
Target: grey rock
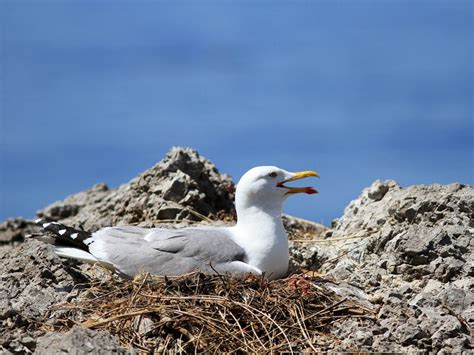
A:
(78, 341)
(406, 254)
(144, 325)
(410, 251)
(350, 291)
(306, 257)
(32, 278)
(14, 230)
(378, 189)
(184, 185)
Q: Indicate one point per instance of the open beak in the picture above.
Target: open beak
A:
(297, 176)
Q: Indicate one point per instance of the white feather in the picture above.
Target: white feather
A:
(74, 253)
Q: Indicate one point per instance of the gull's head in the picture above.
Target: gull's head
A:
(266, 186)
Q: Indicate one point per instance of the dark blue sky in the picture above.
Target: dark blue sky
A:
(356, 90)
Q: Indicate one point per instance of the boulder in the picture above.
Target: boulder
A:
(79, 341)
(411, 251)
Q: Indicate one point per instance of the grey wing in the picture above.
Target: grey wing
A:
(132, 250)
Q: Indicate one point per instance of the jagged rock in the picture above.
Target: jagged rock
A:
(14, 230)
(306, 256)
(411, 250)
(404, 253)
(78, 341)
(32, 278)
(417, 233)
(183, 185)
(379, 188)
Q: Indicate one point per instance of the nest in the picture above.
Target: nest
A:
(213, 313)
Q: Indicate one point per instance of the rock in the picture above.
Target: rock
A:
(378, 189)
(405, 254)
(298, 228)
(411, 251)
(305, 257)
(32, 278)
(144, 325)
(79, 341)
(183, 185)
(14, 230)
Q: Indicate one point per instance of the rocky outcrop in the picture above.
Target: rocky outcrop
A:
(404, 253)
(410, 250)
(184, 185)
(32, 279)
(13, 231)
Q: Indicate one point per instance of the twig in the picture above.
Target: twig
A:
(117, 317)
(304, 331)
(325, 310)
(197, 214)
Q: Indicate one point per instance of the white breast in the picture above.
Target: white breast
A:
(265, 243)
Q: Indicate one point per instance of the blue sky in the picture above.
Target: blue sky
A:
(356, 90)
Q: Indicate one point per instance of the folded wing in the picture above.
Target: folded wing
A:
(133, 250)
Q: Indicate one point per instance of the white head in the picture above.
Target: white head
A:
(263, 187)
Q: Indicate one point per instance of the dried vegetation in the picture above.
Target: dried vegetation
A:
(213, 313)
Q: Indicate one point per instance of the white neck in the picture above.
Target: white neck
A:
(246, 204)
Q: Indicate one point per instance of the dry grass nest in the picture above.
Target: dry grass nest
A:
(212, 313)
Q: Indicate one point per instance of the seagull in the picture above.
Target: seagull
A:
(256, 244)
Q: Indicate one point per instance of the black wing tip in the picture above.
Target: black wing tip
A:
(43, 220)
(47, 223)
(64, 235)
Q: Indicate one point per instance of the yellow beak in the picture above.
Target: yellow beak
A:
(297, 176)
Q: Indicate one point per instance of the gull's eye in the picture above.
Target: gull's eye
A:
(273, 175)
